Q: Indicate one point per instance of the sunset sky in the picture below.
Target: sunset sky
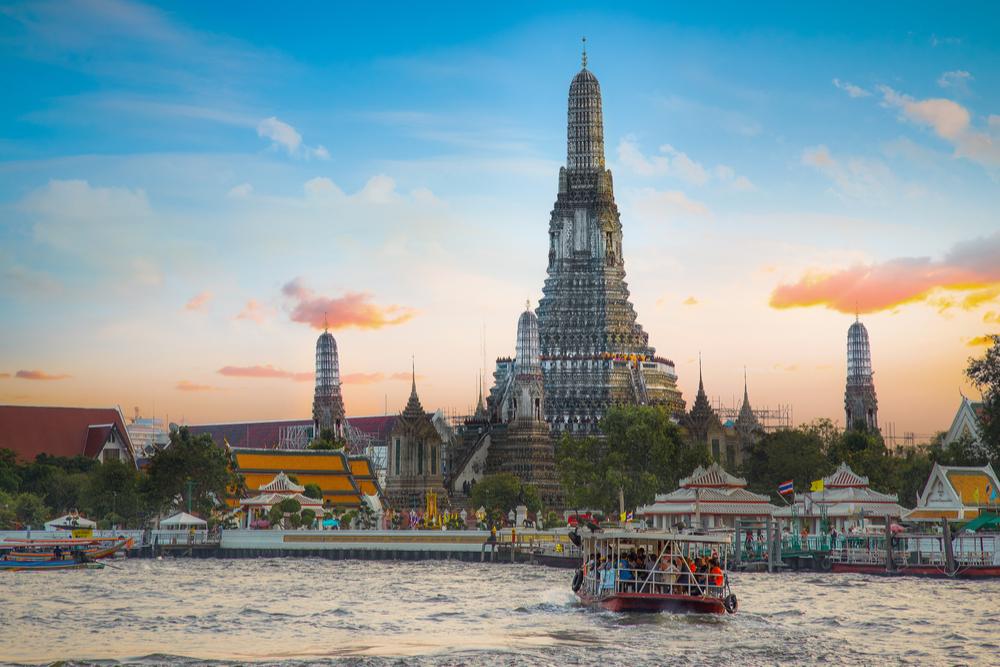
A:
(186, 188)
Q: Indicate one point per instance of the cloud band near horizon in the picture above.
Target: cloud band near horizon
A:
(354, 309)
(967, 276)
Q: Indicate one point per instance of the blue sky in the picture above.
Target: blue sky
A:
(185, 184)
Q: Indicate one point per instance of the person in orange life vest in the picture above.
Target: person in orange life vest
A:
(715, 573)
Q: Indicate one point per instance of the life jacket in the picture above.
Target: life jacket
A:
(717, 575)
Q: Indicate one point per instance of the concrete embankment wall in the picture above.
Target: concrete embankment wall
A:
(346, 545)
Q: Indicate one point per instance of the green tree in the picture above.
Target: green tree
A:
(500, 492)
(326, 441)
(579, 463)
(787, 454)
(984, 373)
(693, 457)
(290, 505)
(308, 517)
(30, 510)
(113, 487)
(196, 459)
(313, 490)
(10, 479)
(7, 516)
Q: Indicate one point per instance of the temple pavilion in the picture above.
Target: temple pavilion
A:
(957, 493)
(709, 497)
(846, 501)
(269, 495)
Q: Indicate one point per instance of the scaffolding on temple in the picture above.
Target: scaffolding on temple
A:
(768, 420)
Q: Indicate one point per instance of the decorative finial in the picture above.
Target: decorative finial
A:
(585, 53)
(326, 325)
(527, 304)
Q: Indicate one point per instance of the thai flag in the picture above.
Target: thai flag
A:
(785, 488)
(629, 517)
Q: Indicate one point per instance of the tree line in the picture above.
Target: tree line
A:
(193, 471)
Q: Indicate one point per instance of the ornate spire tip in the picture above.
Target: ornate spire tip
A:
(585, 53)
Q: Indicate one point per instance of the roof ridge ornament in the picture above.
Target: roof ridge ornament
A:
(584, 53)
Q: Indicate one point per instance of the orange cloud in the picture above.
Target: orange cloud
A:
(373, 378)
(972, 267)
(991, 316)
(254, 312)
(980, 340)
(268, 371)
(184, 385)
(354, 309)
(782, 367)
(689, 301)
(199, 303)
(4, 375)
(39, 375)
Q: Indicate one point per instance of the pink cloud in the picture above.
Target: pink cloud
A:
(184, 385)
(267, 371)
(4, 375)
(39, 375)
(254, 312)
(354, 309)
(373, 378)
(199, 303)
(969, 271)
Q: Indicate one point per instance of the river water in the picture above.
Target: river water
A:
(299, 612)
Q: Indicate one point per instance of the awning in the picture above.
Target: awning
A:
(983, 521)
(183, 520)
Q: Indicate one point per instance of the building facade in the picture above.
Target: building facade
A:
(594, 353)
(414, 449)
(860, 401)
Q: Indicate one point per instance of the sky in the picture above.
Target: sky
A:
(186, 188)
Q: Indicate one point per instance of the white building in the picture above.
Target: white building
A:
(956, 493)
(711, 498)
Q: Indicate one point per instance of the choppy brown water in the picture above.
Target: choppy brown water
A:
(317, 612)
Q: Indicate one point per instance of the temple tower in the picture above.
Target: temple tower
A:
(414, 465)
(860, 401)
(524, 449)
(594, 354)
(328, 404)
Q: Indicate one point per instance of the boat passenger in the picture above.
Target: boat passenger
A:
(625, 573)
(716, 577)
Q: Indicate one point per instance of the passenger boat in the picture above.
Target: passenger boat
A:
(45, 550)
(665, 582)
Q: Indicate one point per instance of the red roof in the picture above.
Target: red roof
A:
(32, 430)
(264, 435)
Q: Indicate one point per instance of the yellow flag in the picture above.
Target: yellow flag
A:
(975, 496)
(817, 486)
(623, 516)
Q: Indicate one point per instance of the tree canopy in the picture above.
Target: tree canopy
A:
(192, 466)
(500, 492)
(984, 373)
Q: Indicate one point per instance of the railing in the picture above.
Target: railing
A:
(672, 580)
(184, 538)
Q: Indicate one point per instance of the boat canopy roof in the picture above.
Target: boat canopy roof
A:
(654, 536)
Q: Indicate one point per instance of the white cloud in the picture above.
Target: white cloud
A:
(241, 191)
(957, 79)
(284, 136)
(951, 121)
(853, 91)
(743, 184)
(322, 187)
(661, 207)
(674, 163)
(379, 189)
(853, 177)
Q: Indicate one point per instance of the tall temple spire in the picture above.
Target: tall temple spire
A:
(594, 354)
(328, 403)
(860, 400)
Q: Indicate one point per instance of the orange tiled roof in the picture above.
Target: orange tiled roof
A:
(968, 483)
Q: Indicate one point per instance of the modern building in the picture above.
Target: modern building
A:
(328, 403)
(860, 401)
(414, 449)
(98, 433)
(594, 353)
(957, 493)
(709, 498)
(846, 501)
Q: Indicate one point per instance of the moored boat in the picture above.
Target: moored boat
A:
(654, 572)
(64, 550)
(46, 565)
